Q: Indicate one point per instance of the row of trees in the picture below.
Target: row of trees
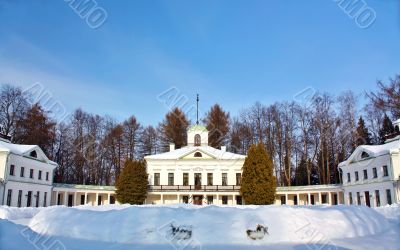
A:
(306, 138)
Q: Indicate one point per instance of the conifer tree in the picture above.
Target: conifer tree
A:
(217, 123)
(258, 182)
(386, 130)
(173, 129)
(363, 135)
(132, 183)
(36, 128)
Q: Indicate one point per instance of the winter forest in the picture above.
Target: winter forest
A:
(306, 138)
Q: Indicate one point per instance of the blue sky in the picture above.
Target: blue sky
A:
(230, 52)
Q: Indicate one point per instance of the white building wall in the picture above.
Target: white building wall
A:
(26, 183)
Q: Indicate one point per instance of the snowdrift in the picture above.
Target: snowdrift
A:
(209, 225)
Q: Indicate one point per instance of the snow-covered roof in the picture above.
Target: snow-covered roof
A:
(373, 150)
(23, 150)
(182, 152)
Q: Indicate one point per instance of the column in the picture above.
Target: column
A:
(162, 198)
(338, 198)
(217, 200)
(233, 200)
(320, 198)
(85, 198)
(65, 198)
(56, 200)
(286, 199)
(309, 198)
(330, 198)
(298, 199)
(97, 199)
(74, 202)
(109, 198)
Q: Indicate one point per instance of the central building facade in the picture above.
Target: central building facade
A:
(196, 174)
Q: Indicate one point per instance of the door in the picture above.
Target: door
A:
(197, 200)
(367, 201)
(197, 181)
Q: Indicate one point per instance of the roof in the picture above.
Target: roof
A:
(86, 187)
(23, 150)
(374, 150)
(182, 152)
(197, 127)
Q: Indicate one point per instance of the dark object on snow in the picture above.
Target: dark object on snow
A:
(181, 232)
(257, 234)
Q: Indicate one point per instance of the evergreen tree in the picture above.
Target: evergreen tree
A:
(258, 182)
(363, 135)
(301, 178)
(217, 123)
(386, 130)
(36, 128)
(132, 183)
(173, 129)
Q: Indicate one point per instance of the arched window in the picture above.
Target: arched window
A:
(364, 155)
(198, 154)
(33, 154)
(396, 129)
(197, 140)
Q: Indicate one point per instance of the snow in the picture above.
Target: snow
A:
(200, 227)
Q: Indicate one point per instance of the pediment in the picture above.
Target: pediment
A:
(198, 154)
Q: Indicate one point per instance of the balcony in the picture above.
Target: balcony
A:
(202, 188)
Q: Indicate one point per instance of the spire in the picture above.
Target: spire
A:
(197, 122)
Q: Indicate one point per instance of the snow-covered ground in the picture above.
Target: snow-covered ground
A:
(200, 227)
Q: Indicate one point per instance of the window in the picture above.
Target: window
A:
(356, 173)
(47, 176)
(45, 199)
(9, 195)
(238, 179)
(198, 154)
(170, 179)
(377, 198)
(374, 173)
(210, 199)
(364, 155)
(225, 200)
(388, 197)
(365, 174)
(385, 171)
(350, 198)
(37, 198)
(31, 173)
(157, 179)
(33, 154)
(197, 180)
(197, 140)
(358, 198)
(209, 179)
(348, 177)
(185, 199)
(224, 179)
(22, 174)
(40, 175)
(19, 198)
(185, 179)
(12, 169)
(29, 199)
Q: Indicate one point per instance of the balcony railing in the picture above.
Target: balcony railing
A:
(205, 188)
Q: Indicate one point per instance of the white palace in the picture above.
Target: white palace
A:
(200, 174)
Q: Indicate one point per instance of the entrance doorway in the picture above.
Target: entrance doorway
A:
(197, 200)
